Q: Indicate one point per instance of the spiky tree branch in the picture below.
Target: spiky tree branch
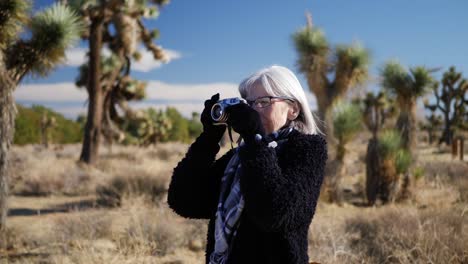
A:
(330, 72)
(450, 102)
(406, 86)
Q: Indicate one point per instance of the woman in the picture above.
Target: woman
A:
(261, 196)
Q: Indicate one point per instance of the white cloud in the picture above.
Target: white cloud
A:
(77, 56)
(55, 92)
(201, 92)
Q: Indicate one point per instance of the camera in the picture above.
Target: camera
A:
(218, 111)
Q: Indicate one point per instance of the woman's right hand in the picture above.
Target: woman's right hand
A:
(208, 124)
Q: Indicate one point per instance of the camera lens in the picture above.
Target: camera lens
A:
(217, 112)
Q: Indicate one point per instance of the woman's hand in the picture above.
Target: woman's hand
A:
(245, 121)
(216, 131)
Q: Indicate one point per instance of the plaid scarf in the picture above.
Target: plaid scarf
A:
(231, 201)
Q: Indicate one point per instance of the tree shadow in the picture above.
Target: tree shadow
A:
(19, 256)
(61, 208)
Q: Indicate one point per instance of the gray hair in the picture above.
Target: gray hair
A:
(280, 81)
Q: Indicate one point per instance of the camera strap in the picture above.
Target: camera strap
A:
(230, 134)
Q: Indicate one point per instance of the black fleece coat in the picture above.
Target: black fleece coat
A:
(280, 189)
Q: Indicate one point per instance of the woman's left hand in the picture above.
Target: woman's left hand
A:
(245, 121)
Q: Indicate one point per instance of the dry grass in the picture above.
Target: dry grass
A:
(431, 227)
(394, 234)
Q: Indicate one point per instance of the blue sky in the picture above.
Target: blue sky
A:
(215, 44)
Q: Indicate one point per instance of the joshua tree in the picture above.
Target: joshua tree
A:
(330, 72)
(407, 87)
(148, 127)
(346, 122)
(385, 162)
(50, 33)
(47, 122)
(433, 123)
(376, 110)
(449, 101)
(117, 24)
(391, 160)
(124, 89)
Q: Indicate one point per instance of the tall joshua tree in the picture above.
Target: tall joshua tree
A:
(51, 32)
(380, 174)
(117, 24)
(347, 123)
(330, 71)
(406, 86)
(449, 101)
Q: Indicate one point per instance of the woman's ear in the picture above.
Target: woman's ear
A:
(293, 111)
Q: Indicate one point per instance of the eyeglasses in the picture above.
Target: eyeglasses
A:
(265, 101)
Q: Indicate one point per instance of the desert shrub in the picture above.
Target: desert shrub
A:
(389, 143)
(463, 189)
(451, 171)
(165, 152)
(88, 226)
(180, 126)
(409, 237)
(11, 238)
(196, 235)
(44, 177)
(151, 232)
(28, 122)
(418, 173)
(131, 185)
(402, 161)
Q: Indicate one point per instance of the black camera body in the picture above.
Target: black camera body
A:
(218, 111)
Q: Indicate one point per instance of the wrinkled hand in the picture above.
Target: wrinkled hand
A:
(245, 120)
(207, 121)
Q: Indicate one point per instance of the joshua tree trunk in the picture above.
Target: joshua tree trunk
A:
(315, 81)
(447, 135)
(389, 180)
(372, 171)
(92, 137)
(406, 124)
(7, 118)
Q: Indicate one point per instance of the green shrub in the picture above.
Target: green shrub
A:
(402, 161)
(28, 126)
(389, 143)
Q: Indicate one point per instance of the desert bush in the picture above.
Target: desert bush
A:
(418, 173)
(45, 175)
(11, 238)
(87, 226)
(150, 231)
(28, 123)
(396, 236)
(166, 151)
(447, 171)
(463, 189)
(390, 234)
(139, 184)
